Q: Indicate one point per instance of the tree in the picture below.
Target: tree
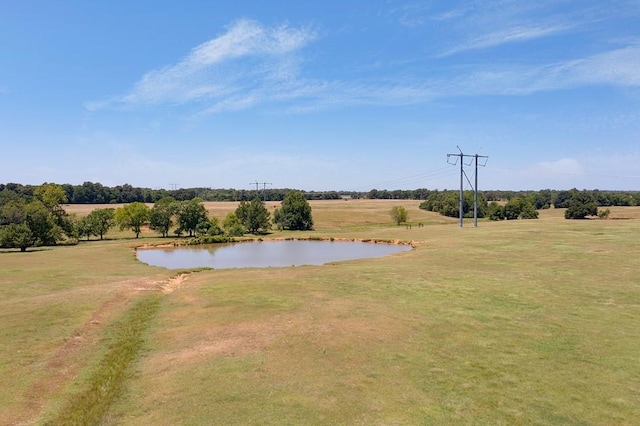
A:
(528, 211)
(496, 211)
(191, 215)
(162, 214)
(580, 206)
(210, 227)
(399, 214)
(41, 213)
(254, 215)
(42, 223)
(12, 212)
(516, 208)
(84, 228)
(604, 214)
(132, 216)
(101, 220)
(51, 195)
(16, 236)
(233, 227)
(541, 199)
(562, 198)
(513, 208)
(294, 213)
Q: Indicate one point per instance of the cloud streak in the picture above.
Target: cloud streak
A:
(220, 68)
(251, 65)
(509, 35)
(620, 67)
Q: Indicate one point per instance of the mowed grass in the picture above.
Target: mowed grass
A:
(527, 322)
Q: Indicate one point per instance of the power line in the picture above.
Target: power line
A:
(264, 187)
(417, 178)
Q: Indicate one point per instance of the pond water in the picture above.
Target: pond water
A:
(264, 254)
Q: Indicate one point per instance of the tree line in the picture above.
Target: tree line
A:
(509, 205)
(96, 193)
(35, 216)
(39, 219)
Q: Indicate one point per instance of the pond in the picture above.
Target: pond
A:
(265, 254)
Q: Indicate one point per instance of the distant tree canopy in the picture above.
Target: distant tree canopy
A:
(35, 216)
(294, 213)
(524, 204)
(96, 193)
(447, 203)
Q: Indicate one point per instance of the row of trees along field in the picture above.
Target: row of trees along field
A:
(525, 205)
(95, 193)
(39, 218)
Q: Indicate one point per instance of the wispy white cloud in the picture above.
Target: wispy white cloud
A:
(250, 65)
(505, 36)
(476, 25)
(620, 67)
(222, 67)
(564, 166)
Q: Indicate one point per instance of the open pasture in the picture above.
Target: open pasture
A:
(522, 322)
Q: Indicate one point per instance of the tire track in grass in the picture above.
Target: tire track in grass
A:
(110, 376)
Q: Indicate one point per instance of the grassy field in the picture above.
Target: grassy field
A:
(524, 322)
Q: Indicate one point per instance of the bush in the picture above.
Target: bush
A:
(210, 239)
(232, 226)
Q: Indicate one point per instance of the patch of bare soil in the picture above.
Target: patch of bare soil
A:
(172, 284)
(330, 324)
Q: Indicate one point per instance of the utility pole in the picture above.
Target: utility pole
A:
(264, 187)
(461, 157)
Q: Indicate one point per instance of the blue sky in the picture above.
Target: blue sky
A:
(321, 95)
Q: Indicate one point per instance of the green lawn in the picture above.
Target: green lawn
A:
(526, 322)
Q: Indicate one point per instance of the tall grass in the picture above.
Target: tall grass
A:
(108, 380)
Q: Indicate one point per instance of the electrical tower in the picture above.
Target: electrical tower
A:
(264, 187)
(461, 156)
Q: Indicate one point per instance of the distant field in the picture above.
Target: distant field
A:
(522, 322)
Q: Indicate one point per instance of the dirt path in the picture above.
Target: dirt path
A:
(65, 364)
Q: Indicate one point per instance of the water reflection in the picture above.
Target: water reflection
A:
(265, 254)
